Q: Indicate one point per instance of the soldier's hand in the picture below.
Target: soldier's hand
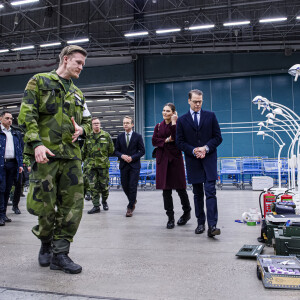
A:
(40, 154)
(20, 169)
(29, 169)
(78, 130)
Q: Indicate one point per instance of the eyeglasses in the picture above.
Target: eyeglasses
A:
(197, 102)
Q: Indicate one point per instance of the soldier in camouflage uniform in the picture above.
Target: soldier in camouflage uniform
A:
(95, 152)
(53, 115)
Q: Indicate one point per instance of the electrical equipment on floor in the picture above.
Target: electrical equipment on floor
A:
(250, 251)
(287, 241)
(279, 272)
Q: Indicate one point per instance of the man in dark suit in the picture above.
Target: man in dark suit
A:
(198, 136)
(129, 149)
(11, 162)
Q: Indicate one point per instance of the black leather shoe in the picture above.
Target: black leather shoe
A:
(94, 210)
(200, 229)
(7, 220)
(105, 206)
(212, 231)
(45, 255)
(62, 261)
(16, 210)
(2, 222)
(171, 224)
(184, 218)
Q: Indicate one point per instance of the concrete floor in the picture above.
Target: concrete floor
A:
(138, 258)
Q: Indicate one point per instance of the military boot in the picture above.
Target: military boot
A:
(45, 254)
(105, 205)
(94, 210)
(61, 261)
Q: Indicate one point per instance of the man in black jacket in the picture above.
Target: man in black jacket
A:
(11, 162)
(129, 149)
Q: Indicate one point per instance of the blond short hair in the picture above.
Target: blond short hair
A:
(69, 50)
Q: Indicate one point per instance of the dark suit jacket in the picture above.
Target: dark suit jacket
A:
(135, 149)
(189, 137)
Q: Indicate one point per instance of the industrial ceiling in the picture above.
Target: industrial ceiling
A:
(105, 22)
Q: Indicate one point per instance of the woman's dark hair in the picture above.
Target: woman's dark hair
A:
(171, 105)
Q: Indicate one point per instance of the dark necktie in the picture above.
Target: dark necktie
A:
(195, 119)
(127, 139)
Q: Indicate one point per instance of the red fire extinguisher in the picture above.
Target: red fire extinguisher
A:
(286, 197)
(269, 198)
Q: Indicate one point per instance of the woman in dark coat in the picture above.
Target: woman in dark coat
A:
(170, 172)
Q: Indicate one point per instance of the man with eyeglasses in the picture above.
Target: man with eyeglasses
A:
(53, 115)
(95, 153)
(198, 136)
(11, 162)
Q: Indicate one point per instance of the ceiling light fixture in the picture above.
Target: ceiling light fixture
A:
(124, 111)
(272, 20)
(102, 100)
(116, 99)
(202, 27)
(130, 91)
(1, 5)
(236, 23)
(15, 3)
(4, 50)
(87, 101)
(23, 48)
(12, 106)
(138, 33)
(113, 92)
(50, 44)
(110, 111)
(298, 18)
(78, 41)
(161, 31)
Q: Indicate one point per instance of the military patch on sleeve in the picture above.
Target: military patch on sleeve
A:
(31, 84)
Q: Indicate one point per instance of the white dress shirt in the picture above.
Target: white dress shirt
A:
(9, 147)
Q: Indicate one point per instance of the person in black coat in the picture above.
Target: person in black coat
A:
(129, 149)
(170, 172)
(198, 135)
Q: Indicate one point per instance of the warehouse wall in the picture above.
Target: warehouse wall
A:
(90, 76)
(230, 99)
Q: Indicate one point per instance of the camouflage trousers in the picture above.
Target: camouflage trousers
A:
(56, 196)
(98, 180)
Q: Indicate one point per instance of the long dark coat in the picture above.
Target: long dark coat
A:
(170, 172)
(189, 137)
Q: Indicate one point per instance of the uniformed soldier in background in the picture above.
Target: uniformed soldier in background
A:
(53, 115)
(95, 152)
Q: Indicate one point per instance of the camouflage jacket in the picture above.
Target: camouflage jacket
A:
(96, 150)
(45, 116)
